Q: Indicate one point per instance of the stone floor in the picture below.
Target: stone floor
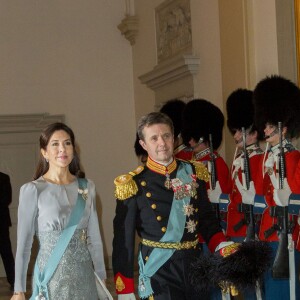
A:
(5, 293)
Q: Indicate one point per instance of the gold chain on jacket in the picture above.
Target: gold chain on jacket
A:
(178, 246)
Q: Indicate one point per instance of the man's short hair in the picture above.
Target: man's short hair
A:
(152, 119)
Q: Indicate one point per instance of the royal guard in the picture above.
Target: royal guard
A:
(202, 131)
(174, 109)
(241, 222)
(277, 110)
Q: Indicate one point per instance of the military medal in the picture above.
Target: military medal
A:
(142, 286)
(168, 183)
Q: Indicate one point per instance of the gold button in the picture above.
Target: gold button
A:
(196, 197)
(158, 218)
(196, 210)
(234, 190)
(196, 222)
(146, 258)
(153, 206)
(148, 194)
(163, 229)
(143, 183)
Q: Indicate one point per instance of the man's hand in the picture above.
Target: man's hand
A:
(215, 194)
(247, 195)
(281, 196)
(130, 296)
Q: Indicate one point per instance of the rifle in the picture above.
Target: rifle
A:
(213, 175)
(247, 208)
(280, 267)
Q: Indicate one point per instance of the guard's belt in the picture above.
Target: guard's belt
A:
(178, 246)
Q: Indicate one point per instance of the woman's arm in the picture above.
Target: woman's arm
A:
(27, 212)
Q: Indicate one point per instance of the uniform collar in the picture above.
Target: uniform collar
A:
(285, 144)
(159, 168)
(179, 148)
(201, 154)
(253, 148)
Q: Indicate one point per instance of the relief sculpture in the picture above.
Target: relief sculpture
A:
(173, 28)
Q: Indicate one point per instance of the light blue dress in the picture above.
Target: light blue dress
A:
(44, 210)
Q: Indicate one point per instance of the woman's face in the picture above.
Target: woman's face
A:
(59, 151)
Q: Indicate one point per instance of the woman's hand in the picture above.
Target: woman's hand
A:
(18, 296)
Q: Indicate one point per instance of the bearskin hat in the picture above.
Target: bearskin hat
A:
(201, 118)
(277, 99)
(173, 109)
(240, 110)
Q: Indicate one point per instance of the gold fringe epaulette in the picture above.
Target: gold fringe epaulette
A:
(201, 170)
(126, 187)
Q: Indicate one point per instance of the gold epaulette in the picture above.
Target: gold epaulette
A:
(201, 170)
(126, 187)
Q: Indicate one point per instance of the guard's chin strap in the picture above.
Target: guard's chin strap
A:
(275, 131)
(200, 141)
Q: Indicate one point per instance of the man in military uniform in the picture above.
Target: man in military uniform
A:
(202, 119)
(240, 114)
(167, 204)
(241, 220)
(277, 99)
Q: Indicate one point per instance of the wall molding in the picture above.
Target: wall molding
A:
(173, 70)
(27, 122)
(129, 28)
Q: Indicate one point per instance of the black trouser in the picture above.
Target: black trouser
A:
(171, 281)
(7, 255)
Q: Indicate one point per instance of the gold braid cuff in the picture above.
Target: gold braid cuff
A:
(226, 251)
(125, 187)
(201, 171)
(178, 246)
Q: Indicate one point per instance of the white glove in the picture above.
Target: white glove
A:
(247, 195)
(214, 195)
(130, 296)
(281, 196)
(222, 245)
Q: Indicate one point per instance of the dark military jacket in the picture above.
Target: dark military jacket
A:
(145, 208)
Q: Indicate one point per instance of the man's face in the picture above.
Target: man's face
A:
(251, 138)
(197, 145)
(158, 142)
(271, 133)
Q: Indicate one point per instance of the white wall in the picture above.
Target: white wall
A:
(68, 57)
